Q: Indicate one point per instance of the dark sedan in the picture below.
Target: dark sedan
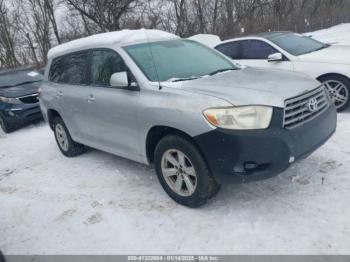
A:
(19, 104)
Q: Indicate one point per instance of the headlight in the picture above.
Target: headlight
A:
(10, 100)
(240, 118)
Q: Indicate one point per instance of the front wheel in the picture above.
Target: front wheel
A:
(183, 172)
(6, 127)
(339, 90)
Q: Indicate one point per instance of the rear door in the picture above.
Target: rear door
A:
(68, 77)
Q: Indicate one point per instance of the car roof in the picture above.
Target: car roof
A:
(119, 38)
(269, 35)
(265, 35)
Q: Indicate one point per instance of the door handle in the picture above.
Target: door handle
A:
(91, 99)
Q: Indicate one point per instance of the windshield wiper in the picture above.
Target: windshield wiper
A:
(221, 70)
(182, 79)
(20, 84)
(28, 82)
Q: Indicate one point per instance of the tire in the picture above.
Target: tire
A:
(203, 186)
(6, 127)
(343, 93)
(65, 143)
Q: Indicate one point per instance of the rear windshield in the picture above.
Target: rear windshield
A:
(15, 78)
(176, 59)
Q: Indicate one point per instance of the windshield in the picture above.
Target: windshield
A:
(177, 59)
(18, 77)
(296, 44)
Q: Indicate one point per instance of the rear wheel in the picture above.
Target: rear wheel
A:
(6, 127)
(68, 147)
(339, 90)
(183, 172)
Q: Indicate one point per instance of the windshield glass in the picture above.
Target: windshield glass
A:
(177, 59)
(296, 44)
(18, 77)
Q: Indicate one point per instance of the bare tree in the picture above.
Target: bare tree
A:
(106, 14)
(7, 38)
(49, 7)
(29, 28)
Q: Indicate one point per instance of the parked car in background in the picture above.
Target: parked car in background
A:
(294, 52)
(19, 102)
(154, 98)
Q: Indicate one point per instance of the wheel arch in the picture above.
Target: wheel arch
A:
(331, 74)
(51, 115)
(156, 133)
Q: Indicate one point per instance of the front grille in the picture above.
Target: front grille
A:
(304, 108)
(30, 99)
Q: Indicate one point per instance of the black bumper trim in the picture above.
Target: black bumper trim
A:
(243, 156)
(17, 115)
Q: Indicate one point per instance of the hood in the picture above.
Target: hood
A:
(335, 54)
(250, 86)
(18, 91)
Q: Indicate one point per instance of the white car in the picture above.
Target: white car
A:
(329, 64)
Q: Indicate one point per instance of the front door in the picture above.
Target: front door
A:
(110, 115)
(255, 53)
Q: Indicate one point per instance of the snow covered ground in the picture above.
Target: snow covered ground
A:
(339, 34)
(102, 204)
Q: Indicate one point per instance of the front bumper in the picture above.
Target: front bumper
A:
(243, 156)
(16, 115)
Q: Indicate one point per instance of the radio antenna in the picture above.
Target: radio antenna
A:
(154, 61)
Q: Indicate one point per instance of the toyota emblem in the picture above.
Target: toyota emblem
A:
(312, 105)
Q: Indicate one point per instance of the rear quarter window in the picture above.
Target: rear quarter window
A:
(56, 70)
(69, 69)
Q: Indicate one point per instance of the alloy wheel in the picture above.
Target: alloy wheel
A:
(338, 92)
(62, 137)
(179, 173)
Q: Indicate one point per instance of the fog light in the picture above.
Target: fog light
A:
(291, 159)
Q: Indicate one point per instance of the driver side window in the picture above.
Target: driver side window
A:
(256, 49)
(104, 63)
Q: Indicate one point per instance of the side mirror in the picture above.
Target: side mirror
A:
(119, 80)
(275, 57)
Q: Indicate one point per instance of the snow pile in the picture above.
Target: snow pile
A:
(118, 37)
(339, 34)
(206, 39)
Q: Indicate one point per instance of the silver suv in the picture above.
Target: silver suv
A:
(202, 120)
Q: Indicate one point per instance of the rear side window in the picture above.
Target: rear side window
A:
(231, 50)
(56, 70)
(69, 69)
(104, 63)
(256, 49)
